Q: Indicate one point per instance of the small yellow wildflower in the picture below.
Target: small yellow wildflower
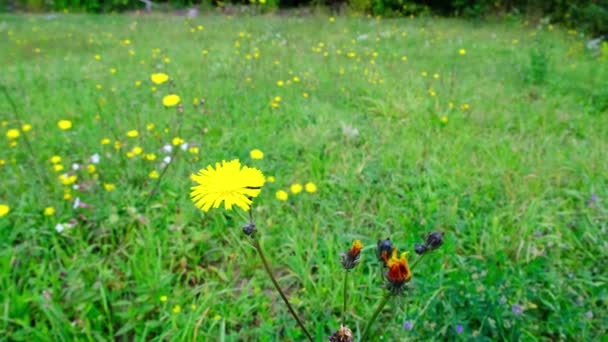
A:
(137, 83)
(282, 195)
(49, 211)
(55, 159)
(68, 179)
(159, 78)
(270, 179)
(193, 307)
(113, 71)
(462, 52)
(132, 133)
(64, 124)
(228, 182)
(91, 168)
(13, 133)
(137, 150)
(4, 210)
(98, 57)
(177, 141)
(26, 127)
(332, 19)
(150, 156)
(280, 83)
(153, 174)
(105, 141)
(150, 126)
(171, 100)
(163, 298)
(109, 187)
(256, 154)
(193, 149)
(310, 187)
(296, 188)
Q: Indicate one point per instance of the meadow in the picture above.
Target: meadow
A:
(494, 133)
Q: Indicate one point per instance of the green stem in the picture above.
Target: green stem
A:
(375, 315)
(345, 297)
(258, 248)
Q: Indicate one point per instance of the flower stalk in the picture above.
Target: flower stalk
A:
(371, 321)
(258, 248)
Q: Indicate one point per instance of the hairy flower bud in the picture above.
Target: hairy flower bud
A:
(351, 259)
(384, 250)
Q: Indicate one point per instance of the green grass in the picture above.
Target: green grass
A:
(517, 180)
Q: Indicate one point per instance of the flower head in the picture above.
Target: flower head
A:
(4, 210)
(384, 249)
(171, 100)
(159, 78)
(13, 133)
(256, 154)
(228, 182)
(282, 195)
(310, 187)
(398, 271)
(64, 124)
(351, 259)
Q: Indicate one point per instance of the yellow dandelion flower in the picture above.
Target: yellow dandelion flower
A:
(55, 159)
(310, 187)
(193, 150)
(270, 179)
(105, 141)
(49, 211)
(280, 83)
(68, 179)
(177, 141)
(150, 156)
(228, 182)
(4, 210)
(332, 19)
(444, 119)
(13, 133)
(64, 124)
(98, 57)
(163, 298)
(150, 126)
(109, 187)
(305, 95)
(256, 154)
(133, 133)
(296, 188)
(26, 127)
(282, 195)
(159, 78)
(91, 168)
(153, 174)
(137, 150)
(462, 52)
(296, 79)
(170, 100)
(113, 70)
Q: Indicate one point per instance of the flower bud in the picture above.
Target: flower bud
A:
(351, 259)
(434, 240)
(384, 250)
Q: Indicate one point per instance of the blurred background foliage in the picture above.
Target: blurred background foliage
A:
(588, 15)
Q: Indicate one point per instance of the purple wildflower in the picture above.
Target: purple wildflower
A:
(459, 328)
(408, 325)
(516, 309)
